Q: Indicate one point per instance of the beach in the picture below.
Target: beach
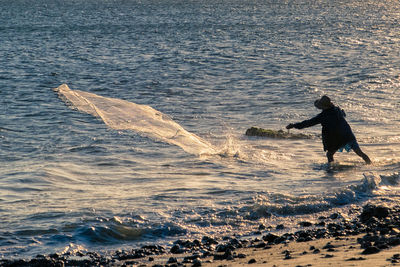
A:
(373, 239)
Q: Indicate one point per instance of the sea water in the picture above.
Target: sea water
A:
(79, 178)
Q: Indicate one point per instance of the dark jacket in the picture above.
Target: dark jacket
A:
(336, 132)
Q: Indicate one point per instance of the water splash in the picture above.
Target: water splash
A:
(124, 115)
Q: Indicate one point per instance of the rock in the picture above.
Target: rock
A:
(196, 263)
(176, 249)
(328, 246)
(260, 245)
(261, 227)
(270, 238)
(172, 260)
(287, 255)
(252, 261)
(335, 216)
(305, 224)
(226, 256)
(255, 131)
(393, 241)
(206, 240)
(370, 211)
(224, 248)
(303, 236)
(280, 227)
(356, 259)
(371, 250)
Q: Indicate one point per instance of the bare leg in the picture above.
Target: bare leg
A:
(362, 155)
(329, 155)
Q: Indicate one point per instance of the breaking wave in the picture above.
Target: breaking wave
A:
(283, 204)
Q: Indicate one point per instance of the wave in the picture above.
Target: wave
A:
(124, 115)
(283, 204)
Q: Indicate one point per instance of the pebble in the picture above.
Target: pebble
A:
(252, 261)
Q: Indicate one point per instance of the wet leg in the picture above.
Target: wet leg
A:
(329, 155)
(362, 155)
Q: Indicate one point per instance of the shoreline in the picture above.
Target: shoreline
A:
(372, 238)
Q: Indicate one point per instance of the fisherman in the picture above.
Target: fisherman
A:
(336, 132)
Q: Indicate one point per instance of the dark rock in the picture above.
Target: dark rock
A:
(393, 241)
(356, 259)
(260, 245)
(305, 224)
(329, 256)
(206, 254)
(54, 256)
(303, 236)
(197, 243)
(235, 243)
(270, 238)
(252, 261)
(176, 249)
(287, 255)
(206, 240)
(196, 263)
(335, 216)
(316, 251)
(255, 131)
(172, 260)
(370, 211)
(241, 256)
(226, 256)
(280, 227)
(328, 246)
(371, 250)
(224, 247)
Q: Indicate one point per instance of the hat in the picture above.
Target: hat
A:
(323, 103)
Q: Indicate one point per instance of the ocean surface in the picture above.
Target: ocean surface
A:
(158, 152)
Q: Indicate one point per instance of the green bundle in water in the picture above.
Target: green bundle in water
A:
(255, 131)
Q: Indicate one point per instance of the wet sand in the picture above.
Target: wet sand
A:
(323, 252)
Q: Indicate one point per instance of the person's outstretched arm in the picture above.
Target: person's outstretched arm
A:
(304, 124)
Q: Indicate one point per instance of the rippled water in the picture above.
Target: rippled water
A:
(68, 181)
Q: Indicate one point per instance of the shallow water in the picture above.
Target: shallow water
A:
(70, 181)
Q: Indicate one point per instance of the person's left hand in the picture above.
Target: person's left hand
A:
(290, 126)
